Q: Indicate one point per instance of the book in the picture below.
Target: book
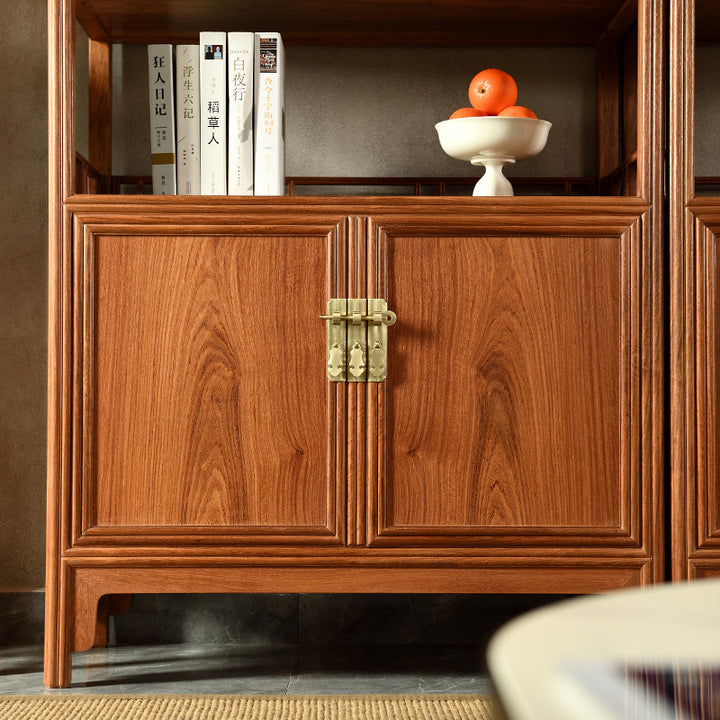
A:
(187, 101)
(269, 114)
(240, 72)
(213, 113)
(162, 118)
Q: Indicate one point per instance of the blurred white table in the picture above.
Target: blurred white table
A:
(635, 654)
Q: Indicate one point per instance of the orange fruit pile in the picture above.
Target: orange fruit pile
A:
(493, 92)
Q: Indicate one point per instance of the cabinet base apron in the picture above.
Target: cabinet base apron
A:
(91, 589)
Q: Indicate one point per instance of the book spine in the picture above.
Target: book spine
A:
(187, 101)
(269, 114)
(240, 53)
(213, 113)
(162, 118)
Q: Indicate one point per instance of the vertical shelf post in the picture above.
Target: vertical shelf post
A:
(100, 109)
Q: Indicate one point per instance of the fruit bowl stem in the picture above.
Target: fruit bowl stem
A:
(493, 182)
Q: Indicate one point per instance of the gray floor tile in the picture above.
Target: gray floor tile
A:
(268, 669)
(389, 669)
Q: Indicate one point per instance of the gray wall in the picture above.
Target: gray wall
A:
(707, 111)
(372, 111)
(23, 293)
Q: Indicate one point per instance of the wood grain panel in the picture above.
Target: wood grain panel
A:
(507, 407)
(205, 358)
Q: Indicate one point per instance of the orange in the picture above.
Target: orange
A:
(467, 112)
(517, 111)
(492, 90)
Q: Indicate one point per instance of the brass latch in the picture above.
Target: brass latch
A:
(357, 339)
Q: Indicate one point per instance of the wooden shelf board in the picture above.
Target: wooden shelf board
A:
(371, 22)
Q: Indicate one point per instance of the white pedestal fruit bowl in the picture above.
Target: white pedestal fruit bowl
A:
(493, 142)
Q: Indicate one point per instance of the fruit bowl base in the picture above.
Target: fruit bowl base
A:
(493, 182)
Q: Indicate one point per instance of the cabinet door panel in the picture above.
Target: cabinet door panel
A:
(702, 497)
(205, 390)
(507, 410)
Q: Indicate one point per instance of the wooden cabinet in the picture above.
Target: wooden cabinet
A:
(196, 444)
(694, 222)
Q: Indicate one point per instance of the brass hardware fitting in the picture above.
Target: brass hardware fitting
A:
(353, 326)
(386, 317)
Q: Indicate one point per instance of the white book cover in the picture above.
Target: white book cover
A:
(269, 114)
(162, 118)
(213, 113)
(187, 102)
(240, 71)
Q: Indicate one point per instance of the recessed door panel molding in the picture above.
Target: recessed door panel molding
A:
(702, 499)
(205, 408)
(511, 415)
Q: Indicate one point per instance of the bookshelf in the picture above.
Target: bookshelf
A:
(195, 441)
(585, 84)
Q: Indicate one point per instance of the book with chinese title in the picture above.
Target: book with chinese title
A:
(162, 118)
(213, 113)
(187, 100)
(269, 114)
(240, 71)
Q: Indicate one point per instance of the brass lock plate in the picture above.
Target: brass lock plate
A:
(336, 339)
(357, 339)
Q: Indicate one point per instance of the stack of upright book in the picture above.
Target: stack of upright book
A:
(216, 115)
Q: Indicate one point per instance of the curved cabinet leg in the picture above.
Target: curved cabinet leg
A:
(71, 621)
(87, 608)
(109, 605)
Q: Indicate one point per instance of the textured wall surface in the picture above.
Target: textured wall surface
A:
(707, 111)
(372, 111)
(23, 283)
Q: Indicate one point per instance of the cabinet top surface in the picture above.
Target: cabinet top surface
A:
(356, 22)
